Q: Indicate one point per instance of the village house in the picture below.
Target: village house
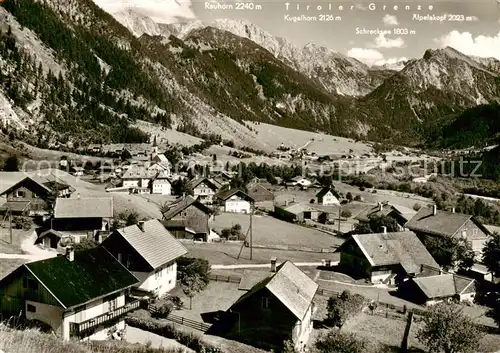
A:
(234, 200)
(150, 252)
(83, 217)
(80, 295)
(383, 209)
(203, 189)
(389, 258)
(161, 184)
(187, 218)
(32, 196)
(138, 178)
(327, 196)
(262, 194)
(433, 288)
(49, 239)
(77, 171)
(278, 308)
(429, 221)
(300, 181)
(296, 212)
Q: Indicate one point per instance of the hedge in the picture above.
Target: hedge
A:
(167, 330)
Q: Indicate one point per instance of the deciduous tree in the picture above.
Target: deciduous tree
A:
(491, 254)
(343, 307)
(447, 329)
(337, 341)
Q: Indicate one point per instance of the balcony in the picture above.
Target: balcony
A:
(81, 328)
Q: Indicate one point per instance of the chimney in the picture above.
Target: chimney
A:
(286, 202)
(453, 210)
(273, 264)
(141, 225)
(440, 271)
(380, 206)
(384, 229)
(70, 253)
(434, 209)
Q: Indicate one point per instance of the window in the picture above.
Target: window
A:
(120, 258)
(158, 273)
(80, 313)
(474, 232)
(113, 303)
(29, 283)
(20, 193)
(31, 308)
(265, 303)
(129, 260)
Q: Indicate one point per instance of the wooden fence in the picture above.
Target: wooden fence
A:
(200, 326)
(229, 279)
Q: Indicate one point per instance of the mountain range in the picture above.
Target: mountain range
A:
(73, 74)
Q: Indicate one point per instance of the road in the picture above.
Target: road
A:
(33, 252)
(267, 265)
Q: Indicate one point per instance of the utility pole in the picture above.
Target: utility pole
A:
(340, 212)
(10, 225)
(251, 231)
(404, 343)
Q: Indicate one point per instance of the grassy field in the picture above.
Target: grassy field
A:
(227, 253)
(323, 144)
(167, 135)
(17, 238)
(270, 231)
(9, 265)
(32, 341)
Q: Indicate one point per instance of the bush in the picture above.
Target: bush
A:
(357, 198)
(417, 206)
(162, 309)
(22, 222)
(312, 201)
(190, 340)
(178, 303)
(346, 214)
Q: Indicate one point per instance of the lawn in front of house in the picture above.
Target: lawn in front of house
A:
(216, 296)
(18, 236)
(271, 231)
(227, 254)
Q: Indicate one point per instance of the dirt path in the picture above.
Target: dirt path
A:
(135, 335)
(233, 267)
(32, 251)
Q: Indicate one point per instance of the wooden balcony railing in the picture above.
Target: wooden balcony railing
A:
(80, 328)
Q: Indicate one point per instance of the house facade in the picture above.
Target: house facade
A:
(138, 177)
(431, 222)
(235, 201)
(31, 196)
(149, 251)
(389, 258)
(83, 217)
(400, 215)
(161, 184)
(92, 300)
(188, 218)
(278, 308)
(203, 189)
(263, 196)
(327, 197)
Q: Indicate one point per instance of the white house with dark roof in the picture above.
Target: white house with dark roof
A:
(385, 257)
(203, 189)
(80, 295)
(429, 221)
(138, 177)
(328, 196)
(235, 201)
(150, 252)
(277, 308)
(161, 184)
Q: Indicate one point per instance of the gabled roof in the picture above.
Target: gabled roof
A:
(36, 181)
(292, 287)
(154, 244)
(136, 172)
(95, 207)
(92, 274)
(442, 223)
(378, 211)
(404, 248)
(182, 204)
(226, 194)
(162, 159)
(195, 182)
(251, 278)
(325, 191)
(445, 285)
(296, 208)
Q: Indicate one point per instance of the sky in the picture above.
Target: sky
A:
(362, 29)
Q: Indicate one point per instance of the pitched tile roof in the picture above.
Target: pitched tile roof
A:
(289, 285)
(404, 248)
(15, 206)
(195, 182)
(92, 274)
(325, 191)
(182, 204)
(155, 244)
(95, 207)
(139, 172)
(378, 211)
(297, 208)
(445, 285)
(252, 277)
(226, 194)
(442, 223)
